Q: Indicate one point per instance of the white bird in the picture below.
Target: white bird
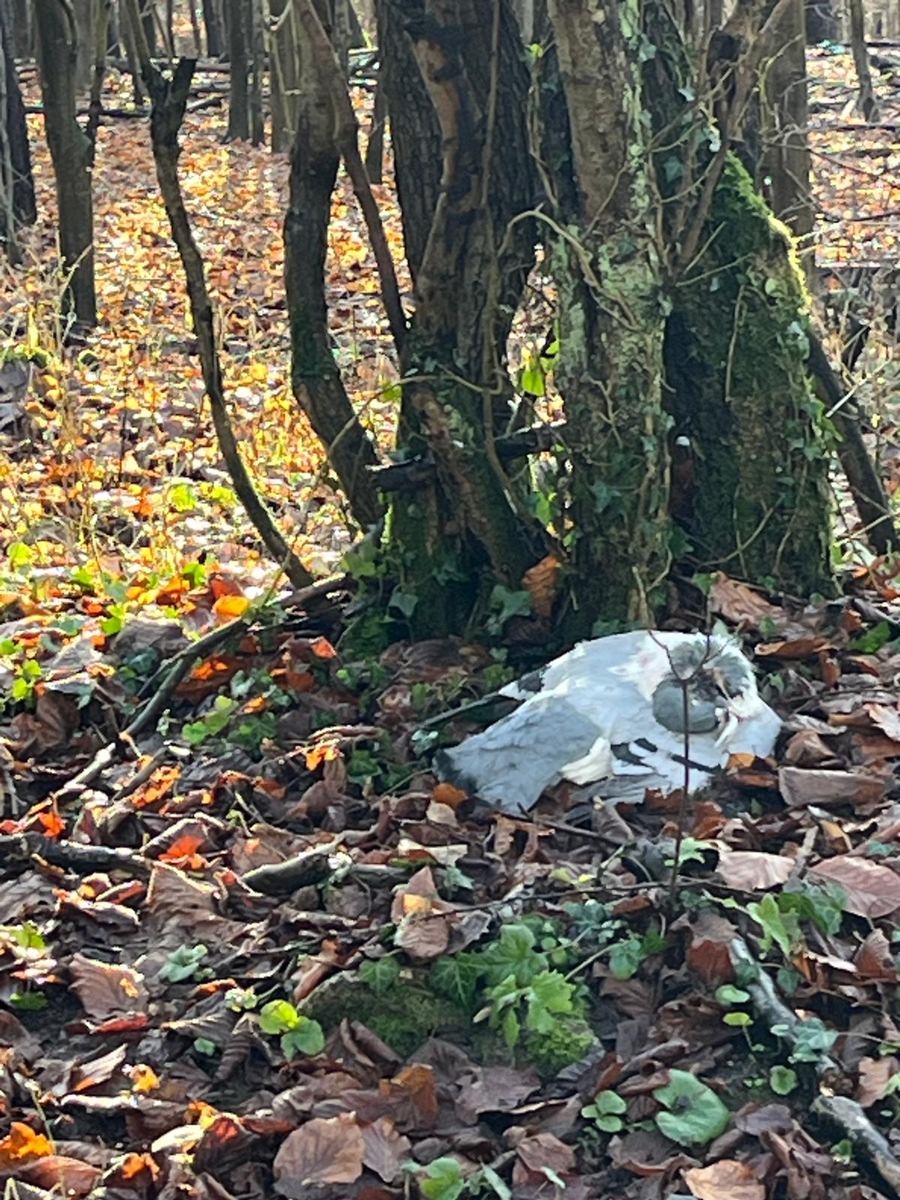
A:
(611, 713)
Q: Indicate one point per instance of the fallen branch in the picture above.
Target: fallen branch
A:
(865, 484)
(846, 1114)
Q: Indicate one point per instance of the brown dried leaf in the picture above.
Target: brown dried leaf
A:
(794, 648)
(724, 1180)
(741, 604)
(752, 870)
(423, 920)
(875, 1074)
(887, 718)
(324, 1150)
(872, 890)
(106, 990)
(384, 1148)
(801, 788)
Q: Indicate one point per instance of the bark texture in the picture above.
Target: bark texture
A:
(72, 154)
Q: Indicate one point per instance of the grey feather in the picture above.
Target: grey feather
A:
(611, 713)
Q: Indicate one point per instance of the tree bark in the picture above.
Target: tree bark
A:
(786, 161)
(612, 321)
(237, 13)
(457, 95)
(16, 181)
(72, 155)
(283, 73)
(867, 104)
(315, 377)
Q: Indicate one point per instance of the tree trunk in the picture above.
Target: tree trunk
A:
(16, 180)
(737, 344)
(86, 14)
(821, 22)
(315, 377)
(867, 104)
(612, 321)
(786, 161)
(212, 23)
(237, 20)
(283, 73)
(457, 94)
(19, 27)
(72, 154)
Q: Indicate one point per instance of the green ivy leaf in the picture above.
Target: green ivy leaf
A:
(782, 1080)
(380, 974)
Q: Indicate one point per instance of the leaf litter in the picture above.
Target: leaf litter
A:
(250, 946)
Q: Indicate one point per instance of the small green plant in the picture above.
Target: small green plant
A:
(298, 1033)
(782, 1079)
(443, 1179)
(606, 1112)
(184, 963)
(693, 1114)
(812, 1040)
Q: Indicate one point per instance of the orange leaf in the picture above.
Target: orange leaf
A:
(183, 847)
(228, 608)
(22, 1145)
(446, 793)
(322, 648)
(323, 753)
(541, 581)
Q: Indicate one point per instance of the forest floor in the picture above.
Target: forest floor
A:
(248, 946)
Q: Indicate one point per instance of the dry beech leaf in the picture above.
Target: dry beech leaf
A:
(725, 1180)
(752, 870)
(384, 1148)
(872, 890)
(741, 604)
(324, 1150)
(887, 718)
(106, 990)
(541, 582)
(875, 1074)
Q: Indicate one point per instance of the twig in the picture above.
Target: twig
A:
(169, 100)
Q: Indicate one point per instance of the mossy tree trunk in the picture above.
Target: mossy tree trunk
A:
(737, 338)
(612, 320)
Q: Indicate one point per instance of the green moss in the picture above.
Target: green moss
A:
(570, 1039)
(736, 354)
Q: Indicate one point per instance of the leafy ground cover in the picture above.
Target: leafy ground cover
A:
(249, 946)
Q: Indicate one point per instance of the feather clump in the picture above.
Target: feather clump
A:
(620, 714)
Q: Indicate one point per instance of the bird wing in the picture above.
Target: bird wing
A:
(514, 760)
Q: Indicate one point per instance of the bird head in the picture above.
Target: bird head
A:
(719, 685)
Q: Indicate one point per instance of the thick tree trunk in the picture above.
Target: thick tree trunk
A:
(283, 73)
(457, 92)
(611, 324)
(821, 21)
(212, 23)
(736, 343)
(72, 155)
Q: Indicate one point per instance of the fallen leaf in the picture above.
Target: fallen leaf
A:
(872, 890)
(726, 1179)
(324, 1150)
(752, 870)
